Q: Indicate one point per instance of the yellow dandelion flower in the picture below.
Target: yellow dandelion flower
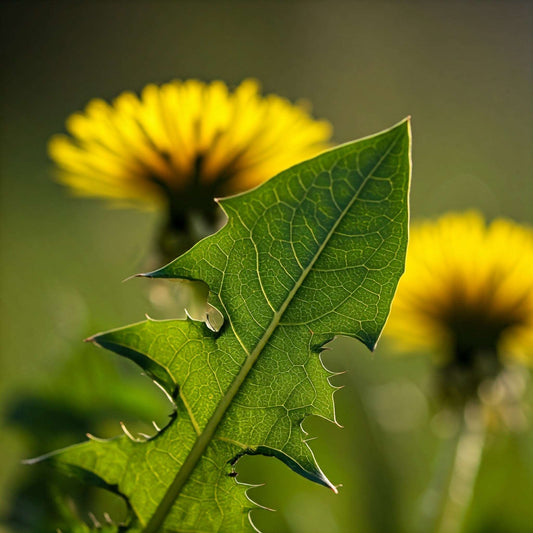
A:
(467, 291)
(467, 296)
(183, 143)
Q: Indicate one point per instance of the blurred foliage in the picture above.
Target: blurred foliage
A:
(88, 394)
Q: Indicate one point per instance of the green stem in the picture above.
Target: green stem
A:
(380, 489)
(450, 493)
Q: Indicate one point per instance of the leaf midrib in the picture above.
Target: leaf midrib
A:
(203, 440)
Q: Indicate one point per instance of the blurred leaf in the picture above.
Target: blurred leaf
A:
(315, 252)
(88, 392)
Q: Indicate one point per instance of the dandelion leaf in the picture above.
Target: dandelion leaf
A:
(315, 252)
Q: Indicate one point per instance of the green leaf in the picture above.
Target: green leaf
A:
(315, 252)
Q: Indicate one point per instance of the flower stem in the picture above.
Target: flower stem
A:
(450, 493)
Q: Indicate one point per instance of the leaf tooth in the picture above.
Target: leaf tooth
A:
(252, 522)
(336, 389)
(151, 274)
(94, 520)
(128, 433)
(258, 506)
(165, 392)
(320, 476)
(321, 352)
(130, 277)
(90, 436)
(332, 374)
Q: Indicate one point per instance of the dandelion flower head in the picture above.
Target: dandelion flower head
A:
(467, 289)
(184, 142)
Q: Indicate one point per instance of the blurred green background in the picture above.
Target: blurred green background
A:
(462, 70)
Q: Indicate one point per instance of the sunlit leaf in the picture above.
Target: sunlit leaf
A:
(315, 252)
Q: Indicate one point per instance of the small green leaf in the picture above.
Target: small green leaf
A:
(315, 252)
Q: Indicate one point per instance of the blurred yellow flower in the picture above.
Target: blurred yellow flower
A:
(183, 143)
(467, 290)
(467, 297)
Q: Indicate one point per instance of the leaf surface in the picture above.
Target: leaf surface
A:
(315, 252)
